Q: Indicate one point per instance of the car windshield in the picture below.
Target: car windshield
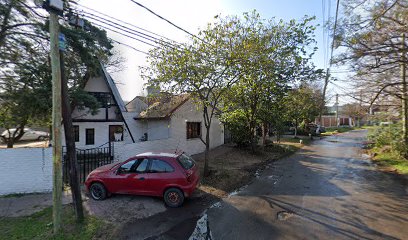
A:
(186, 161)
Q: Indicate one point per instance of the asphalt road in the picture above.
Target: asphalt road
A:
(328, 190)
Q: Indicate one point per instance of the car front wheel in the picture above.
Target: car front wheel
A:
(173, 197)
(98, 191)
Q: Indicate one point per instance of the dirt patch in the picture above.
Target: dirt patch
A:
(231, 167)
(123, 208)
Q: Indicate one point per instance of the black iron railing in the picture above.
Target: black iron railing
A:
(88, 160)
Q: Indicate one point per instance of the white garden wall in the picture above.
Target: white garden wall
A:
(25, 170)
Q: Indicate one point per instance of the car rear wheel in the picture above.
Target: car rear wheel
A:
(41, 138)
(173, 197)
(98, 191)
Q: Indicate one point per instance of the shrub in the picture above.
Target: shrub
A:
(389, 136)
(238, 126)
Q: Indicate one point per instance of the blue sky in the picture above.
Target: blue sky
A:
(191, 15)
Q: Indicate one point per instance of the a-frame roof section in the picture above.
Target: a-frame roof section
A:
(114, 89)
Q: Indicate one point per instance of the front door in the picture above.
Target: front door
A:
(115, 133)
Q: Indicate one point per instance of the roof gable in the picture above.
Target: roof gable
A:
(114, 89)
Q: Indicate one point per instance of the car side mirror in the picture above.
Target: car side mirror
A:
(119, 171)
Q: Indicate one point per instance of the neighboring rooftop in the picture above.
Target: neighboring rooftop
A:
(162, 106)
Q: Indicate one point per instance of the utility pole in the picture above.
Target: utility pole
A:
(326, 82)
(55, 8)
(71, 157)
(337, 110)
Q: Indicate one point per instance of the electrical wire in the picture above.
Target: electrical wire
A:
(130, 31)
(127, 23)
(127, 45)
(123, 34)
(108, 22)
(164, 19)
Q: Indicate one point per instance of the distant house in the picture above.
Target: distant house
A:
(172, 117)
(165, 120)
(330, 120)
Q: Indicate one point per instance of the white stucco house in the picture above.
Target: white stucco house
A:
(159, 121)
(93, 130)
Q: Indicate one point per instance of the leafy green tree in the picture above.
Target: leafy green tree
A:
(302, 105)
(202, 68)
(272, 56)
(26, 69)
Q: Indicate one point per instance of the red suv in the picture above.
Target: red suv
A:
(171, 175)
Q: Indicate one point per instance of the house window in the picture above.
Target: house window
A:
(89, 136)
(103, 98)
(193, 130)
(76, 133)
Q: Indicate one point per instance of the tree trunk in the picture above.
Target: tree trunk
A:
(296, 126)
(404, 94)
(253, 139)
(207, 151)
(70, 145)
(10, 142)
(264, 132)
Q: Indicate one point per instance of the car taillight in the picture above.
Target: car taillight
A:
(189, 176)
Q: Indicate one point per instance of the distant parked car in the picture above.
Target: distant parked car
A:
(171, 175)
(315, 129)
(29, 134)
(321, 129)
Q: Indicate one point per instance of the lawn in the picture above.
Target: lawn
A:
(334, 130)
(390, 159)
(289, 140)
(39, 226)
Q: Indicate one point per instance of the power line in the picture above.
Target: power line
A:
(126, 45)
(126, 29)
(164, 19)
(123, 34)
(127, 23)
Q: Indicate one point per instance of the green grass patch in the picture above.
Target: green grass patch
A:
(18, 195)
(39, 226)
(334, 130)
(305, 141)
(391, 159)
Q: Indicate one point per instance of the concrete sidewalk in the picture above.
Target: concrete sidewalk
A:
(26, 205)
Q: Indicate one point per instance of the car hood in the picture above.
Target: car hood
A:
(106, 167)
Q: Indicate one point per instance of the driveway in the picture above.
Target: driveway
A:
(328, 190)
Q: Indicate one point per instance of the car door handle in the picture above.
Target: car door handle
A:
(142, 178)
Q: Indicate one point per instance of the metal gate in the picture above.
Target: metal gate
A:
(88, 160)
